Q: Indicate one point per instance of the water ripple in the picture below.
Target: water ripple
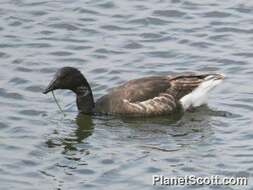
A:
(112, 42)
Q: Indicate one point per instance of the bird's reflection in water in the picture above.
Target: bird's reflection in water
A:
(69, 141)
(85, 127)
(193, 125)
(173, 133)
(201, 113)
(162, 120)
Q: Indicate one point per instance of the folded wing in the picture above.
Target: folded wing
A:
(158, 95)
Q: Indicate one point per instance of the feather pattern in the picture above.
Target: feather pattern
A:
(162, 104)
(159, 95)
(148, 96)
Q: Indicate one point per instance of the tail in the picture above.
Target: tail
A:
(199, 95)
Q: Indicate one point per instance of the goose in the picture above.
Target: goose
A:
(148, 96)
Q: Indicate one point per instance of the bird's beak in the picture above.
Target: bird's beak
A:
(52, 86)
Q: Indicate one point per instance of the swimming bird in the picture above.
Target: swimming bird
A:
(148, 96)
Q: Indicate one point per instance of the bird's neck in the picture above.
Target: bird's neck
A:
(84, 99)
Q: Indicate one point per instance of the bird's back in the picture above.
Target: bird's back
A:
(156, 95)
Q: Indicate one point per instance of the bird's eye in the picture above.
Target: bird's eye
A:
(62, 77)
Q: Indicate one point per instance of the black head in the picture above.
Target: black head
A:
(66, 78)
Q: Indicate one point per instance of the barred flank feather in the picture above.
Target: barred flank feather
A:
(157, 95)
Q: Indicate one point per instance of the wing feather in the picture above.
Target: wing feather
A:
(162, 104)
(150, 95)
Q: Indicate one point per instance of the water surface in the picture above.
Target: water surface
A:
(112, 42)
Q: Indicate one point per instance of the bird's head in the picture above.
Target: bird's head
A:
(66, 78)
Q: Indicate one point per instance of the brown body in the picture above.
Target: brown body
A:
(158, 95)
(149, 96)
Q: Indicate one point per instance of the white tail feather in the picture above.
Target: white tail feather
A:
(199, 95)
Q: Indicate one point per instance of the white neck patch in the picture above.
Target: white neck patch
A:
(84, 91)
